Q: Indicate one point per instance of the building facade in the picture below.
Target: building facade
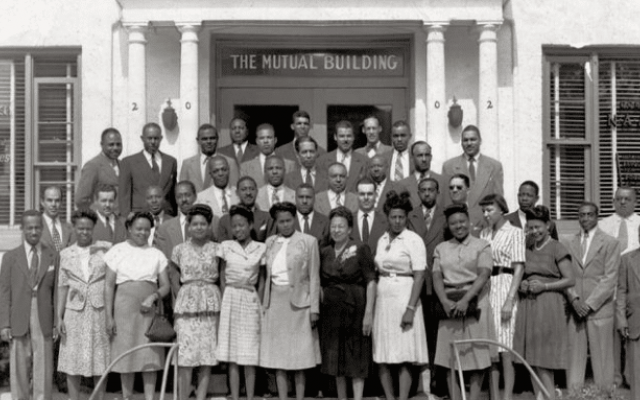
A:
(553, 86)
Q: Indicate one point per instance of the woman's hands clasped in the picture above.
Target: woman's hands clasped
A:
(147, 304)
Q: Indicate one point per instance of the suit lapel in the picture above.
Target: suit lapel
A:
(635, 265)
(435, 228)
(46, 260)
(23, 263)
(594, 247)
(577, 249)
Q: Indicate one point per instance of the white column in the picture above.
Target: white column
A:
(188, 109)
(137, 82)
(436, 102)
(488, 91)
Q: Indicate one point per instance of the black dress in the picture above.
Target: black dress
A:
(345, 350)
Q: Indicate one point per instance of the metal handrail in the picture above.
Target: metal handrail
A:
(455, 344)
(172, 353)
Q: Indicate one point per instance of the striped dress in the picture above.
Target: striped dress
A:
(507, 247)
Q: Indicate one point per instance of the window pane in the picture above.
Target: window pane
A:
(567, 103)
(568, 180)
(55, 122)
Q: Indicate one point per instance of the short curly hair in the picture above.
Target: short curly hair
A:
(395, 200)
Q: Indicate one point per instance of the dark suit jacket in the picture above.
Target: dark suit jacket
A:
(514, 218)
(431, 237)
(489, 176)
(357, 168)
(136, 176)
(628, 296)
(388, 186)
(319, 228)
(67, 236)
(323, 206)
(294, 179)
(597, 277)
(100, 231)
(263, 226)
(390, 168)
(288, 151)
(379, 227)
(96, 171)
(250, 152)
(16, 290)
(410, 183)
(191, 171)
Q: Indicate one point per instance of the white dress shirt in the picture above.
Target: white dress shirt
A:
(203, 165)
(49, 221)
(279, 193)
(404, 159)
(303, 171)
(611, 226)
(333, 198)
(589, 240)
(279, 274)
(237, 147)
(523, 218)
(108, 220)
(301, 220)
(157, 156)
(263, 158)
(344, 158)
(379, 188)
(370, 217)
(27, 250)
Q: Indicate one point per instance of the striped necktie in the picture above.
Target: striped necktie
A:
(398, 170)
(55, 234)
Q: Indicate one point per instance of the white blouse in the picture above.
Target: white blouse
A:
(133, 263)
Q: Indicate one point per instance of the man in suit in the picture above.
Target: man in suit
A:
(274, 191)
(263, 226)
(240, 149)
(300, 125)
(595, 258)
(150, 167)
(399, 160)
(266, 141)
(371, 128)
(308, 221)
(27, 297)
(56, 233)
(485, 173)
(628, 314)
(308, 171)
(222, 194)
(528, 196)
(173, 231)
(109, 227)
(622, 225)
(421, 156)
(155, 205)
(355, 163)
(195, 168)
(102, 169)
(459, 194)
(377, 168)
(428, 221)
(368, 224)
(336, 195)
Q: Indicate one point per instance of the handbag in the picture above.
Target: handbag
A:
(455, 295)
(161, 329)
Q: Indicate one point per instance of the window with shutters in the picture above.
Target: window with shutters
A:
(39, 130)
(592, 122)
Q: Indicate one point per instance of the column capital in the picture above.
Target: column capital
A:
(488, 30)
(137, 31)
(189, 31)
(435, 30)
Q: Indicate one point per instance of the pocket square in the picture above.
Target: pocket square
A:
(51, 268)
(263, 227)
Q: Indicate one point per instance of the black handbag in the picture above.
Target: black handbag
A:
(161, 329)
(455, 295)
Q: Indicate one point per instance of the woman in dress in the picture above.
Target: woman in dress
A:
(399, 335)
(508, 253)
(288, 337)
(461, 264)
(242, 283)
(84, 343)
(197, 305)
(347, 277)
(140, 273)
(542, 322)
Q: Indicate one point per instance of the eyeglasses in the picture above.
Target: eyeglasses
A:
(453, 187)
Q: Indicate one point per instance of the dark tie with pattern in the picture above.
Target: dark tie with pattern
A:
(154, 168)
(365, 228)
(239, 154)
(35, 264)
(309, 178)
(472, 169)
(207, 180)
(109, 228)
(55, 234)
(307, 228)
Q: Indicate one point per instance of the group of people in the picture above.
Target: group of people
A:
(289, 258)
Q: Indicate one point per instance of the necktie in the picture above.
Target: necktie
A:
(225, 205)
(35, 265)
(57, 242)
(306, 228)
(338, 200)
(274, 196)
(427, 219)
(309, 178)
(583, 245)
(155, 168)
(116, 167)
(472, 169)
(398, 171)
(239, 154)
(365, 228)
(623, 235)
(208, 181)
(185, 233)
(109, 228)
(156, 219)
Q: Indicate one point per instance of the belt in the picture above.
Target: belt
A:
(201, 281)
(396, 274)
(501, 270)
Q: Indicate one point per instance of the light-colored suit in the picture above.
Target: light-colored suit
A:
(96, 171)
(254, 169)
(323, 205)
(357, 167)
(209, 197)
(191, 171)
(31, 320)
(596, 281)
(489, 176)
(628, 315)
(263, 200)
(303, 266)
(381, 149)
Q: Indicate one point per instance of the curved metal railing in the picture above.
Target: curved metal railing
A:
(493, 343)
(173, 347)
